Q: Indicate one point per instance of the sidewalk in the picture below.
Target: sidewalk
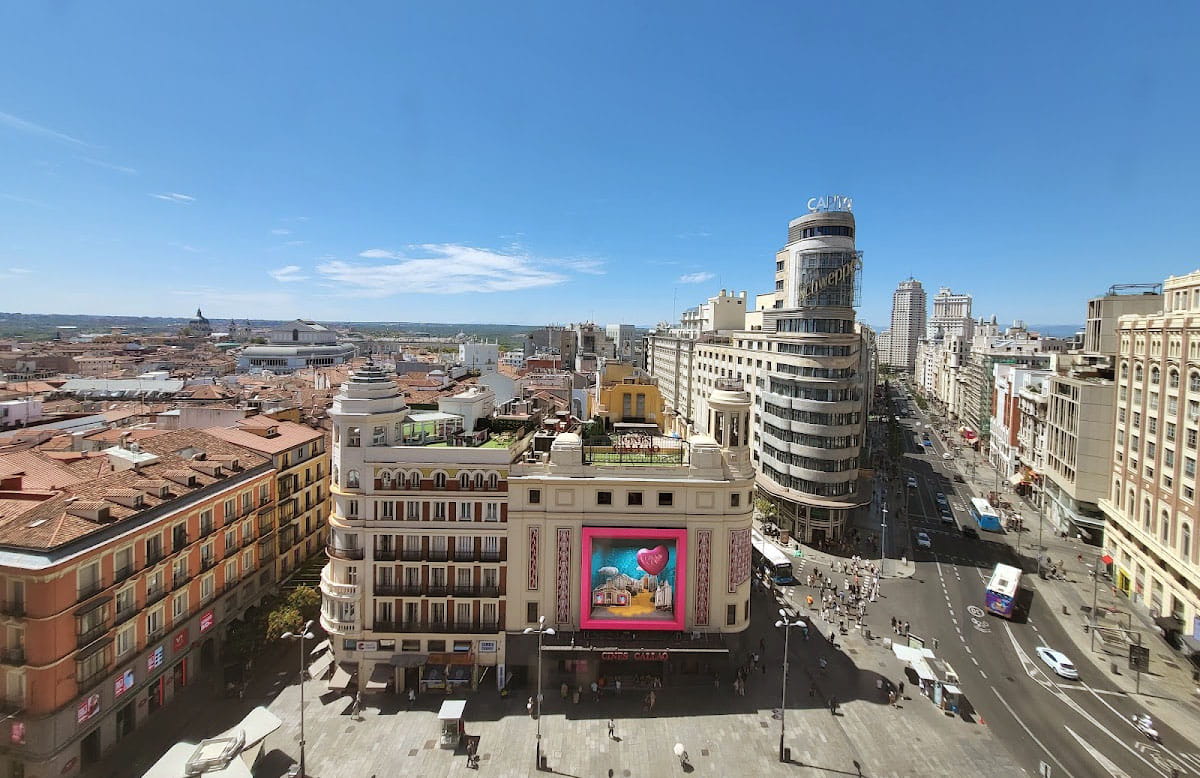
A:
(1168, 689)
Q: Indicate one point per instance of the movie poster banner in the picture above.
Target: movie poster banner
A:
(633, 578)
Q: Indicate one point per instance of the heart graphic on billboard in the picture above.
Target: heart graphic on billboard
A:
(653, 560)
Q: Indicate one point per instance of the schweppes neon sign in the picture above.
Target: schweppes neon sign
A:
(837, 276)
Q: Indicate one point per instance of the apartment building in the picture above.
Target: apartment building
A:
(805, 362)
(301, 461)
(1018, 422)
(413, 593)
(637, 552)
(908, 324)
(1150, 508)
(117, 587)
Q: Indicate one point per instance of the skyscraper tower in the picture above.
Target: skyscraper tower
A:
(908, 324)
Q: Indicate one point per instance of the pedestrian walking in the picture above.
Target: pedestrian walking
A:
(617, 686)
(595, 692)
(901, 689)
(612, 730)
(892, 698)
(833, 704)
(412, 697)
(762, 645)
(563, 690)
(893, 625)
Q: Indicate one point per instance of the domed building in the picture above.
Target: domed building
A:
(200, 326)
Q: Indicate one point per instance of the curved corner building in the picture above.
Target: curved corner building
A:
(810, 396)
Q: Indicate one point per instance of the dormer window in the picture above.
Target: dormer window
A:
(439, 481)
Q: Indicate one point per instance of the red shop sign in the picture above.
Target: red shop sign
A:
(206, 621)
(181, 641)
(636, 656)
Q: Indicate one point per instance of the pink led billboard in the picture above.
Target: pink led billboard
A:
(633, 578)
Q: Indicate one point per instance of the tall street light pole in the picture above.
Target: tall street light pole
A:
(787, 621)
(304, 634)
(541, 629)
(882, 541)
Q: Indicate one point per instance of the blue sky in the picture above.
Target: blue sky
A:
(552, 162)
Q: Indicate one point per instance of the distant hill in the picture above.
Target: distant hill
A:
(1056, 330)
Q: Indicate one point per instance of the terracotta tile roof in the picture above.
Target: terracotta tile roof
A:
(37, 471)
(116, 434)
(50, 524)
(289, 436)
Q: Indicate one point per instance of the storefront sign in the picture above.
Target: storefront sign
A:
(207, 619)
(16, 733)
(123, 683)
(487, 646)
(367, 645)
(88, 708)
(155, 660)
(830, 203)
(636, 656)
(181, 640)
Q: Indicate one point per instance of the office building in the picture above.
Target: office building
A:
(908, 324)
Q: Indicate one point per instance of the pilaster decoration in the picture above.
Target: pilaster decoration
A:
(562, 578)
(739, 558)
(535, 540)
(703, 561)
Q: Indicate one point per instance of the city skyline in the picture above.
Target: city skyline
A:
(324, 169)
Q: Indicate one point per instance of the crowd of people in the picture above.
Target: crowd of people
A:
(845, 602)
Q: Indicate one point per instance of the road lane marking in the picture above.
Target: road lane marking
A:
(1101, 759)
(1029, 732)
(1096, 693)
(1082, 688)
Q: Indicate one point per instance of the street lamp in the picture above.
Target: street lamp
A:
(786, 621)
(882, 541)
(304, 634)
(541, 629)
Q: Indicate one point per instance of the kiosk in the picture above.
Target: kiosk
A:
(451, 717)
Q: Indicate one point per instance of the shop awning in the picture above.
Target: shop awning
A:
(381, 674)
(409, 660)
(320, 666)
(340, 679)
(320, 648)
(1015, 479)
(452, 710)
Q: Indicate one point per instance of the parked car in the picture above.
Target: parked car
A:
(947, 516)
(947, 456)
(941, 499)
(923, 540)
(1058, 662)
(912, 482)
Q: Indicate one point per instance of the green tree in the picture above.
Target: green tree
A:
(307, 600)
(766, 509)
(284, 618)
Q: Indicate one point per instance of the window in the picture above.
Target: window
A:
(1137, 419)
(439, 480)
(634, 498)
(730, 615)
(531, 612)
(126, 640)
(385, 480)
(154, 623)
(491, 512)
(1137, 373)
(1189, 467)
(379, 436)
(86, 670)
(89, 580)
(535, 496)
(1168, 458)
(604, 498)
(1154, 376)
(1185, 541)
(179, 606)
(666, 499)
(1173, 379)
(1191, 439)
(353, 437)
(352, 479)
(493, 482)
(1194, 381)
(1164, 528)
(352, 508)
(735, 500)
(439, 511)
(387, 510)
(412, 510)
(465, 511)
(464, 481)
(1170, 430)
(208, 586)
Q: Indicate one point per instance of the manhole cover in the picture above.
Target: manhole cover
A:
(704, 752)
(412, 752)
(763, 724)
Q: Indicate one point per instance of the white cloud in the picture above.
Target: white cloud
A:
(281, 231)
(696, 278)
(287, 274)
(19, 270)
(185, 247)
(175, 197)
(13, 273)
(443, 268)
(109, 165)
(585, 265)
(690, 235)
(17, 123)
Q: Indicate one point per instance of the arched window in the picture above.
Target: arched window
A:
(464, 481)
(1154, 376)
(479, 480)
(1173, 378)
(493, 482)
(1194, 381)
(1117, 491)
(1146, 515)
(414, 479)
(1185, 541)
(1164, 528)
(1137, 372)
(352, 479)
(334, 473)
(1124, 370)
(439, 480)
(385, 479)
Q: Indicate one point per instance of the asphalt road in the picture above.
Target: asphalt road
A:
(1075, 728)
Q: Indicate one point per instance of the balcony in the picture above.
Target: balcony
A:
(230, 586)
(437, 555)
(179, 542)
(397, 590)
(476, 591)
(208, 562)
(179, 579)
(154, 556)
(439, 627)
(87, 637)
(89, 590)
(341, 591)
(12, 608)
(333, 626)
(87, 680)
(12, 656)
(464, 556)
(154, 595)
(437, 590)
(248, 539)
(490, 556)
(155, 633)
(342, 552)
(122, 616)
(411, 555)
(385, 554)
(207, 528)
(123, 572)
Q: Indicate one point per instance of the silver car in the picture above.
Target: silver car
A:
(1058, 662)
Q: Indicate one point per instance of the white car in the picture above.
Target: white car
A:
(912, 482)
(923, 540)
(1058, 662)
(947, 456)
